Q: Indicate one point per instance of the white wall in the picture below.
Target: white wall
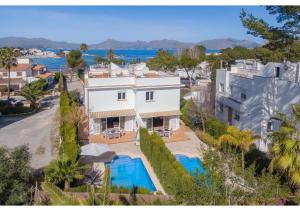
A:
(121, 81)
(165, 99)
(107, 100)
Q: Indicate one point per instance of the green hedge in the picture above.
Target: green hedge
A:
(70, 146)
(215, 127)
(173, 177)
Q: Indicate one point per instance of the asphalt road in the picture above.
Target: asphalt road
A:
(34, 131)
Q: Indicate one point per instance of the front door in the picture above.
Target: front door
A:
(229, 118)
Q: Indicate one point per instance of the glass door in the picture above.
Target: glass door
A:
(103, 124)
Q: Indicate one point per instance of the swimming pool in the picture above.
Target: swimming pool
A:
(193, 165)
(128, 172)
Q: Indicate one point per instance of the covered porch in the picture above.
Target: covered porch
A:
(164, 123)
(112, 125)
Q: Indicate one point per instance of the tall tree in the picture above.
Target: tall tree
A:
(188, 64)
(198, 52)
(84, 47)
(16, 178)
(75, 61)
(281, 37)
(8, 60)
(163, 61)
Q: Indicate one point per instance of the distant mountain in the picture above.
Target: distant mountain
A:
(22, 42)
(165, 43)
(227, 43)
(115, 44)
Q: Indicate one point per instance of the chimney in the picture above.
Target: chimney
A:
(221, 64)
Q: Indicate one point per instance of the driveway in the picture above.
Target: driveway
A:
(37, 131)
(76, 84)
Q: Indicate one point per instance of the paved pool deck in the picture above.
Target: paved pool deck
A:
(193, 147)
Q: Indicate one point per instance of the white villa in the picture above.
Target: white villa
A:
(130, 98)
(249, 94)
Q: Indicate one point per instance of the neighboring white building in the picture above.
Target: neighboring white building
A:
(200, 93)
(20, 74)
(249, 94)
(130, 98)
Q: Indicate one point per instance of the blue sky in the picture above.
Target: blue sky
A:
(93, 24)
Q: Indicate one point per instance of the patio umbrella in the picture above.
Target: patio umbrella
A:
(94, 149)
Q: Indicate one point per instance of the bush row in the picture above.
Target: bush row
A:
(70, 146)
(173, 177)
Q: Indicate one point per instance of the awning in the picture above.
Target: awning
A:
(114, 113)
(158, 114)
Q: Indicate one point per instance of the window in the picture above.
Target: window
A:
(243, 95)
(221, 107)
(270, 126)
(221, 87)
(121, 95)
(277, 72)
(149, 96)
(237, 116)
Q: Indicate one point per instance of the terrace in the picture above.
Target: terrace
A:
(128, 136)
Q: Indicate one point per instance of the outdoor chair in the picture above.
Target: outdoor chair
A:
(117, 134)
(167, 133)
(160, 132)
(110, 135)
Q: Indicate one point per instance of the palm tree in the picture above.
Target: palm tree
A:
(74, 61)
(110, 55)
(7, 60)
(64, 170)
(238, 139)
(286, 148)
(84, 47)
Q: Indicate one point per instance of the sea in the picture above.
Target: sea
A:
(143, 55)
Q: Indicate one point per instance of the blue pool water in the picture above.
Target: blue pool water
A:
(128, 172)
(193, 165)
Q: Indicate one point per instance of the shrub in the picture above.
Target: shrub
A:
(74, 96)
(173, 177)
(216, 128)
(207, 138)
(6, 108)
(116, 189)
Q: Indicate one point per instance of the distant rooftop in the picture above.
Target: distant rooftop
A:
(112, 70)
